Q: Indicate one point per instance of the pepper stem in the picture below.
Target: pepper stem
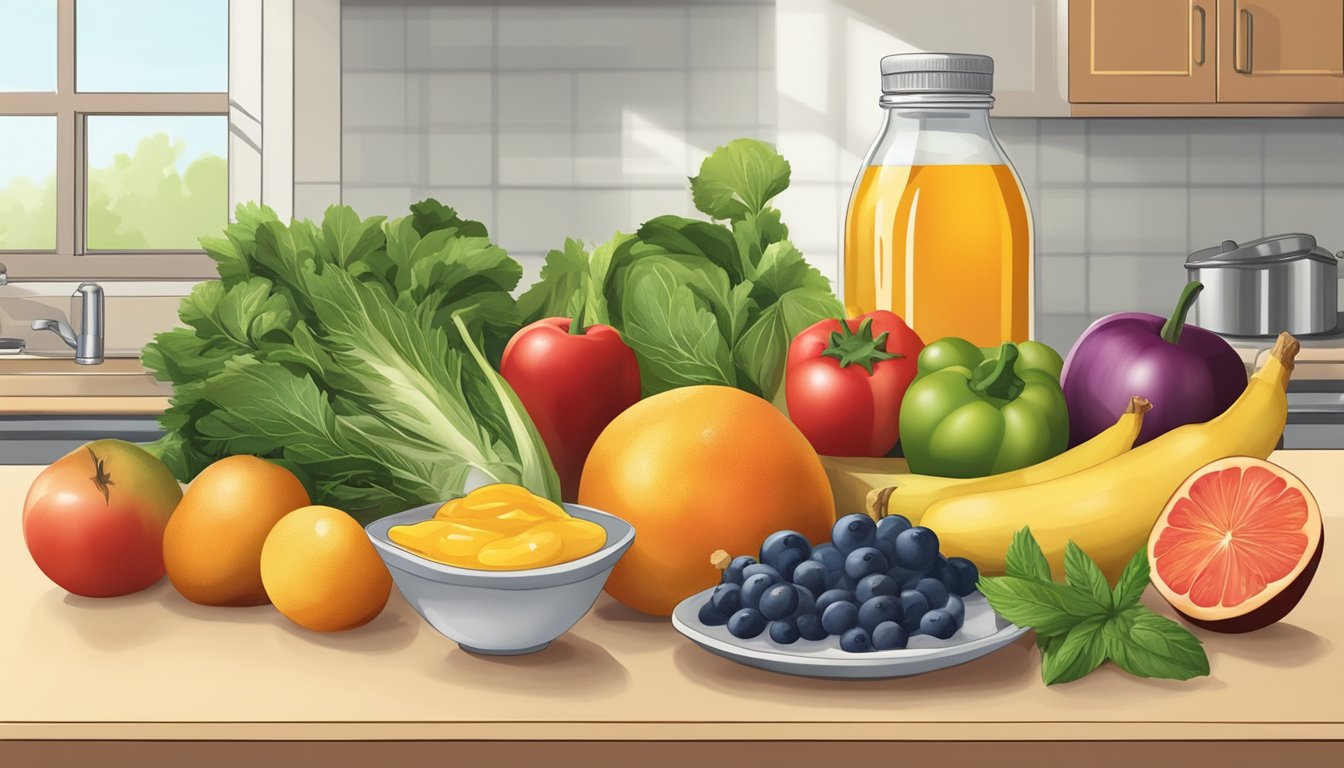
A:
(576, 324)
(1002, 382)
(859, 347)
(1171, 331)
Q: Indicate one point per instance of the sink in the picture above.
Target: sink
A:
(37, 376)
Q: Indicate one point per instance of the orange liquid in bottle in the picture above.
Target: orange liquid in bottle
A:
(946, 247)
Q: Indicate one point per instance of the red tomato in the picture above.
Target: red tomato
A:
(572, 385)
(93, 521)
(844, 384)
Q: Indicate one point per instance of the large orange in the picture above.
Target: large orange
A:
(694, 470)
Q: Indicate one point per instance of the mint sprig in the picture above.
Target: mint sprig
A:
(1083, 623)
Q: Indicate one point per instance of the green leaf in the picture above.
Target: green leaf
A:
(1133, 580)
(1025, 560)
(1049, 608)
(762, 351)
(711, 242)
(754, 233)
(1083, 575)
(738, 179)
(782, 268)
(349, 239)
(1145, 644)
(674, 334)
(1076, 654)
(564, 286)
(429, 215)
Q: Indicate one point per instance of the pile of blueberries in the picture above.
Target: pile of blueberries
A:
(874, 585)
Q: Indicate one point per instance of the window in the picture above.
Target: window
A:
(113, 136)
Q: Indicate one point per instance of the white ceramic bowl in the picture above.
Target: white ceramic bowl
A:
(501, 612)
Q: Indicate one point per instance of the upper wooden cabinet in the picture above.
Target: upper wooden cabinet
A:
(1281, 50)
(1141, 51)
(1216, 56)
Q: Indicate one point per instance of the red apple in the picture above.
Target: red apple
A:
(93, 521)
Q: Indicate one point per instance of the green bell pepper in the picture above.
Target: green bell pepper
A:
(972, 412)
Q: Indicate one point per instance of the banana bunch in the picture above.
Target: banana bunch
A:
(1109, 508)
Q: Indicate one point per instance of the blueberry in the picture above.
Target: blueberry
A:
(833, 596)
(809, 627)
(836, 579)
(733, 573)
(888, 528)
(901, 575)
(864, 561)
(787, 561)
(938, 623)
(889, 636)
(829, 556)
(933, 591)
(839, 617)
(812, 575)
(879, 609)
(853, 531)
(913, 606)
(727, 599)
(874, 585)
(746, 623)
(754, 587)
(916, 549)
(755, 568)
(784, 632)
(856, 640)
(806, 602)
(782, 541)
(710, 616)
(960, 575)
(887, 548)
(779, 601)
(957, 608)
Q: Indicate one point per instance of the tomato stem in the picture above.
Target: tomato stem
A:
(859, 347)
(101, 479)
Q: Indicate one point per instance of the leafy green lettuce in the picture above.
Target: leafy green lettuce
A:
(359, 353)
(700, 302)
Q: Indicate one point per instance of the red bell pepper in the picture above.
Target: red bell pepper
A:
(573, 381)
(844, 382)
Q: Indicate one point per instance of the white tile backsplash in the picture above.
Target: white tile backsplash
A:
(555, 120)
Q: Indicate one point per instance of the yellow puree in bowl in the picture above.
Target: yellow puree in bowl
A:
(501, 528)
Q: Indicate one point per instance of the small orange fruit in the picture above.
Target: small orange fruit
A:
(321, 571)
(698, 469)
(212, 544)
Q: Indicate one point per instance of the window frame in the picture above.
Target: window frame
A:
(71, 108)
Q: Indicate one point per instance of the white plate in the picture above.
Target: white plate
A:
(983, 632)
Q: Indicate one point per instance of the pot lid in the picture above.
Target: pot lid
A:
(1255, 253)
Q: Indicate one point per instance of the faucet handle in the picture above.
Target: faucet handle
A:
(59, 327)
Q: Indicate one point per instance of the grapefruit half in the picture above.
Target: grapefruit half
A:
(1237, 545)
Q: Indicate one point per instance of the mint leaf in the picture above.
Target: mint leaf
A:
(1074, 655)
(1084, 576)
(1049, 608)
(738, 179)
(1133, 580)
(1025, 560)
(1147, 645)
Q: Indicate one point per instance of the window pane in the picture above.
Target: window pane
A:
(28, 183)
(27, 45)
(152, 46)
(155, 182)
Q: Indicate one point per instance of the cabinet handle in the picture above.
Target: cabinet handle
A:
(1249, 20)
(1203, 36)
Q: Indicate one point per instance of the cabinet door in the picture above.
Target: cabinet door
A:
(1281, 50)
(1141, 51)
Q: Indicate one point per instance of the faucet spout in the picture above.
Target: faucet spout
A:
(88, 342)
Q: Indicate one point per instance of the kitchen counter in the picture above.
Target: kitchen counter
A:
(32, 385)
(154, 673)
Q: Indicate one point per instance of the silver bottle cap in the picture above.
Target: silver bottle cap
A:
(937, 73)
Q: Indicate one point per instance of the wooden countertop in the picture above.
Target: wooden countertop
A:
(154, 667)
(56, 386)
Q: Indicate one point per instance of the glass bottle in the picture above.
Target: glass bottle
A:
(939, 229)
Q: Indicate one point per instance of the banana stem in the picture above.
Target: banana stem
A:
(1138, 405)
(1285, 349)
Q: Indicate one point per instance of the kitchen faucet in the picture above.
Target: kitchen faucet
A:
(88, 344)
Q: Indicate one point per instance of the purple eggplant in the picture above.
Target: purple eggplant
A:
(1190, 375)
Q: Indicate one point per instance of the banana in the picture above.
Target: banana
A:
(910, 495)
(1109, 509)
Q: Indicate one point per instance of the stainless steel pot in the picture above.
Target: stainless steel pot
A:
(1265, 287)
